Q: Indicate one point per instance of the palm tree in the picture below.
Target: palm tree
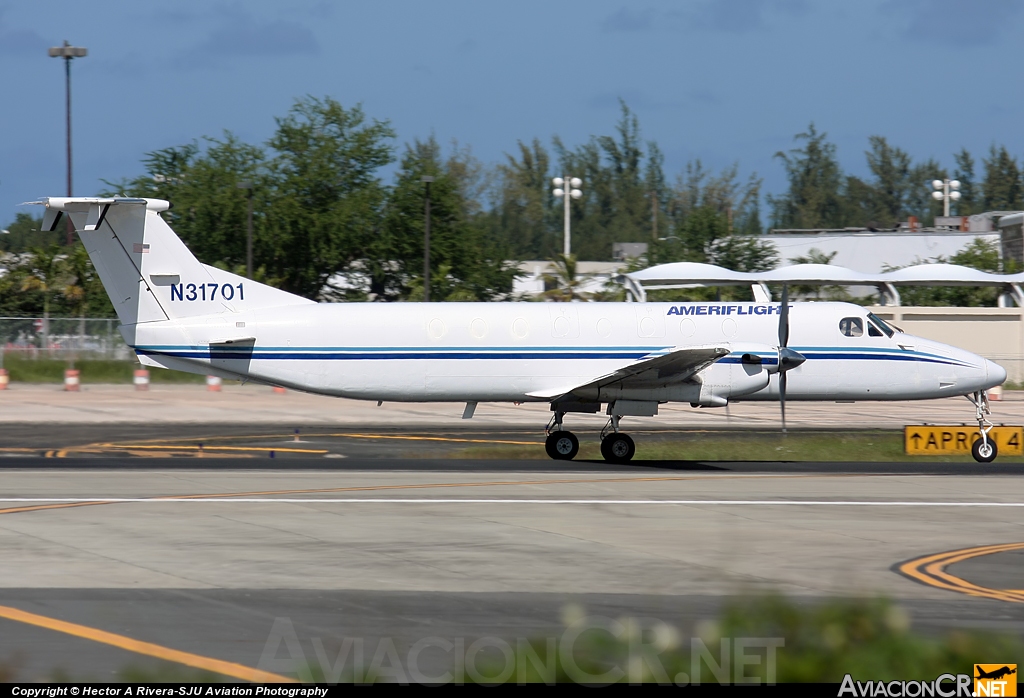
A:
(566, 281)
(78, 275)
(42, 269)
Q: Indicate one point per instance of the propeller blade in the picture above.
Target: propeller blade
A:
(784, 317)
(782, 398)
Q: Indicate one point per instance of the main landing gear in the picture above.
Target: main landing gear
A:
(984, 449)
(561, 444)
(616, 447)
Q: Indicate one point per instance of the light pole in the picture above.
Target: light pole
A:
(247, 185)
(426, 179)
(946, 190)
(573, 184)
(68, 52)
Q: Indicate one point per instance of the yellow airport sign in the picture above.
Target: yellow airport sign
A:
(951, 441)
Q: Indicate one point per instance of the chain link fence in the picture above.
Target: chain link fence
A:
(63, 338)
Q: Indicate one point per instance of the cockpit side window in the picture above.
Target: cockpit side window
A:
(881, 325)
(851, 326)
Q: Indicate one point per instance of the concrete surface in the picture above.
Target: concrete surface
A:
(252, 404)
(213, 576)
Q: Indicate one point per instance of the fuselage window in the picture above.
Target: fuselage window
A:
(874, 331)
(851, 326)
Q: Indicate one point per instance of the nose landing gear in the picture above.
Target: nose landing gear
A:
(984, 449)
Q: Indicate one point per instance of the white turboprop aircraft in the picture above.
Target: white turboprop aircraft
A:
(177, 313)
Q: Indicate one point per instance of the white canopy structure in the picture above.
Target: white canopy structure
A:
(693, 275)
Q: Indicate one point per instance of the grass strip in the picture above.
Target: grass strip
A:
(833, 446)
(25, 370)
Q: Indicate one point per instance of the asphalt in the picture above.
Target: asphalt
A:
(228, 559)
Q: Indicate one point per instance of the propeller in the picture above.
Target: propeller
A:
(788, 359)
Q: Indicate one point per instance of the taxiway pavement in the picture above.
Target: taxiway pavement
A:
(252, 404)
(208, 560)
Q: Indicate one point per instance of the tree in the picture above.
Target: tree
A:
(317, 196)
(816, 256)
(522, 217)
(24, 233)
(919, 200)
(892, 185)
(970, 196)
(326, 198)
(1002, 188)
(618, 173)
(565, 282)
(979, 254)
(465, 263)
(814, 198)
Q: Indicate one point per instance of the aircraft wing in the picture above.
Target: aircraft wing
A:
(673, 366)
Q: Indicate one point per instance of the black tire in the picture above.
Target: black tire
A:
(618, 448)
(562, 445)
(984, 455)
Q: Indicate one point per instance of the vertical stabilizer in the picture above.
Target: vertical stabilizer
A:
(148, 272)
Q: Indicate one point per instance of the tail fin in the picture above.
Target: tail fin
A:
(148, 272)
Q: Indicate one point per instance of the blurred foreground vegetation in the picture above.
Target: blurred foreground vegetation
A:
(869, 639)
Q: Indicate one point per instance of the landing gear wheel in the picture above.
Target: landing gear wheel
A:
(984, 451)
(562, 445)
(618, 448)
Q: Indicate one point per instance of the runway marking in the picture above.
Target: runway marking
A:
(931, 570)
(429, 485)
(149, 649)
(236, 499)
(175, 444)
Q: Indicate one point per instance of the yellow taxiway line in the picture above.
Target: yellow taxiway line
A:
(931, 570)
(217, 666)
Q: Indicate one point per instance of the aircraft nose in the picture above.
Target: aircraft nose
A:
(996, 373)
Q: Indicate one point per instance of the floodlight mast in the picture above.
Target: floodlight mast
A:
(68, 52)
(567, 188)
(946, 190)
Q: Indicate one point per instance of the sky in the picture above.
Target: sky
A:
(726, 81)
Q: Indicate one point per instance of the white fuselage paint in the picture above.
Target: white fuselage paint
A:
(505, 351)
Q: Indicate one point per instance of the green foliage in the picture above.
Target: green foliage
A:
(1003, 188)
(465, 263)
(979, 254)
(326, 198)
(317, 198)
(870, 639)
(52, 280)
(821, 196)
(25, 232)
(815, 198)
(565, 283)
(764, 445)
(23, 369)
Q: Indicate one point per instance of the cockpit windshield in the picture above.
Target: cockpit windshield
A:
(881, 324)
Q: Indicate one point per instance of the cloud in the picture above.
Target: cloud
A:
(629, 20)
(953, 22)
(243, 37)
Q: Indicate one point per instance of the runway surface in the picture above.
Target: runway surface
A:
(177, 562)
